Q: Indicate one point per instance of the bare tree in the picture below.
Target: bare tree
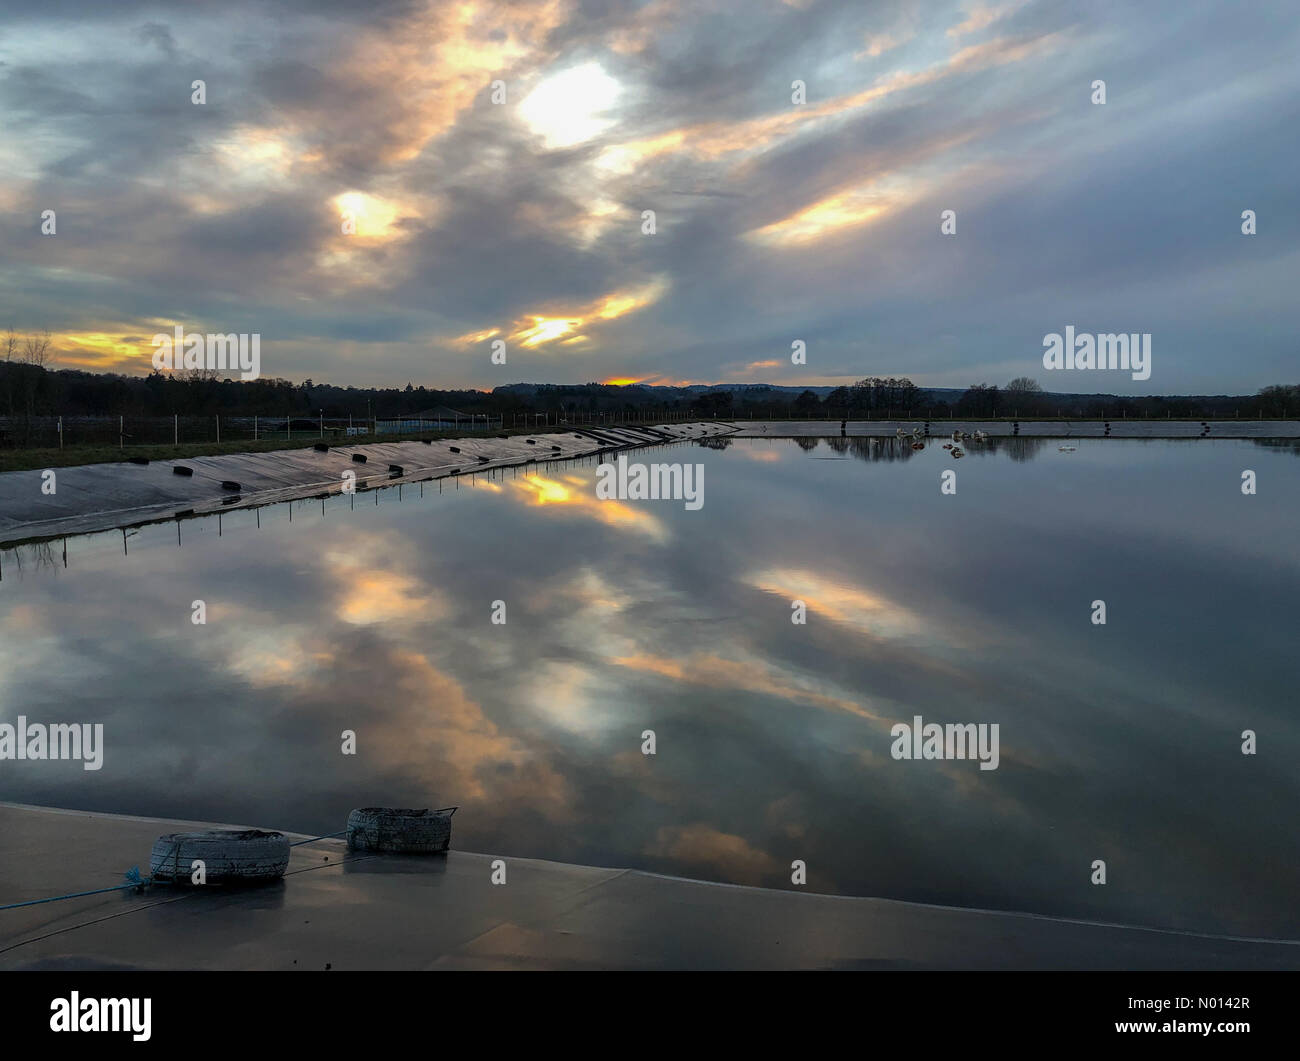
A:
(36, 348)
(37, 353)
(1024, 385)
(11, 352)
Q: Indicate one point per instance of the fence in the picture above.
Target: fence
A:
(416, 425)
(58, 432)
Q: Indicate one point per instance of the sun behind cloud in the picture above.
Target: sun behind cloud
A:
(374, 216)
(573, 106)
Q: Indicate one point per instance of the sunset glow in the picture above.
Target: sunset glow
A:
(374, 216)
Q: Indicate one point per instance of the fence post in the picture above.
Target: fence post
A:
(176, 429)
(121, 432)
(218, 429)
(60, 432)
(254, 427)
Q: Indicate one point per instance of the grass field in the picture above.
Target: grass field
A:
(12, 460)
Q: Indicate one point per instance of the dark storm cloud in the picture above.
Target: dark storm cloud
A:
(159, 35)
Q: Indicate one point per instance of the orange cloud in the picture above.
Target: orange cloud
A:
(855, 206)
(753, 676)
(545, 329)
(477, 337)
(432, 725)
(726, 855)
(881, 43)
(860, 203)
(763, 456)
(413, 79)
(541, 328)
(368, 594)
(574, 492)
(713, 140)
(372, 216)
(980, 16)
(840, 601)
(104, 350)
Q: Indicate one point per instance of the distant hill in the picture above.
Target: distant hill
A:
(754, 390)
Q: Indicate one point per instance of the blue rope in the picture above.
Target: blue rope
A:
(134, 880)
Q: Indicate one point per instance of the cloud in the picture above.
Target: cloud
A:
(879, 44)
(523, 220)
(716, 853)
(158, 35)
(981, 16)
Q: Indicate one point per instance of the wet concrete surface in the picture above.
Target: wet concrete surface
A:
(343, 911)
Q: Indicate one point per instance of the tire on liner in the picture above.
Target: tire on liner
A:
(400, 830)
(229, 856)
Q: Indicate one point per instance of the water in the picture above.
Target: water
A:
(1119, 742)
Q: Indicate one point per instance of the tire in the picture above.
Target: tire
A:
(400, 831)
(229, 856)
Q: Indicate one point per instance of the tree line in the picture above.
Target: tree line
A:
(30, 387)
(1024, 397)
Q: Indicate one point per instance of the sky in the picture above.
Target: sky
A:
(775, 221)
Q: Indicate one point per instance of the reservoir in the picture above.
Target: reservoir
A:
(1119, 742)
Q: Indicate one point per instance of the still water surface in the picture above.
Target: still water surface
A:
(1119, 742)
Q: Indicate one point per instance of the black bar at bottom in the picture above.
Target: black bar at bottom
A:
(863, 1010)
